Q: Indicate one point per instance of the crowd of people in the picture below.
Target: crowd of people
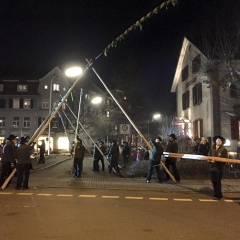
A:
(16, 153)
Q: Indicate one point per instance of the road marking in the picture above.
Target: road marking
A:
(136, 198)
(64, 195)
(110, 196)
(182, 199)
(159, 199)
(6, 193)
(24, 194)
(87, 196)
(44, 194)
(232, 200)
(207, 200)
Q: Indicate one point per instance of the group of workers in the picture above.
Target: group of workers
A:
(19, 157)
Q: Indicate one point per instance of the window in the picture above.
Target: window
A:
(197, 94)
(15, 122)
(185, 100)
(234, 128)
(26, 103)
(26, 122)
(233, 91)
(108, 114)
(16, 103)
(46, 87)
(2, 122)
(198, 128)
(45, 104)
(185, 73)
(1, 87)
(56, 87)
(196, 64)
(22, 88)
(55, 123)
(2, 103)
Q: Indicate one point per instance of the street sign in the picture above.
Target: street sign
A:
(125, 128)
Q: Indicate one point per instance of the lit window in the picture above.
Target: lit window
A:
(64, 89)
(56, 87)
(16, 103)
(46, 87)
(26, 122)
(45, 104)
(22, 88)
(1, 87)
(15, 122)
(2, 122)
(107, 113)
(26, 103)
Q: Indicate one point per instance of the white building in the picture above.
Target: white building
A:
(203, 110)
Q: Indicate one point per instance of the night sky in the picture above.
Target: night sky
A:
(37, 35)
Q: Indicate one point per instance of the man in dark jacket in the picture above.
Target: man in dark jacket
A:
(23, 164)
(78, 151)
(126, 152)
(216, 168)
(172, 147)
(155, 158)
(8, 158)
(113, 156)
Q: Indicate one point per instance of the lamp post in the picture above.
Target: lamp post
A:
(70, 72)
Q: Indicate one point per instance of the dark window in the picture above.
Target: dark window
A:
(185, 100)
(234, 128)
(21, 103)
(197, 94)
(32, 103)
(39, 121)
(196, 64)
(233, 91)
(185, 73)
(55, 123)
(2, 103)
(10, 103)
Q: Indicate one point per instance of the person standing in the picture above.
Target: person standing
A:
(172, 147)
(8, 158)
(155, 158)
(216, 168)
(126, 153)
(203, 148)
(78, 152)
(101, 157)
(96, 155)
(113, 156)
(42, 152)
(23, 164)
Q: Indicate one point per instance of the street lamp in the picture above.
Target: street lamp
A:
(96, 100)
(156, 116)
(70, 72)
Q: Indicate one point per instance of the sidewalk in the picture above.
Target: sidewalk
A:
(61, 176)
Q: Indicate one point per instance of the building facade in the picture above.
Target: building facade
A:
(203, 110)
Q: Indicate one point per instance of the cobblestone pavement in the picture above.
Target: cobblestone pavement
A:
(56, 173)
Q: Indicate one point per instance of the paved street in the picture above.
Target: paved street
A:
(102, 205)
(56, 172)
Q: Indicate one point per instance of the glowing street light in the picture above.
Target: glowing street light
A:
(156, 116)
(70, 72)
(73, 72)
(96, 100)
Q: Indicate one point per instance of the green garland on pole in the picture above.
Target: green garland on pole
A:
(138, 24)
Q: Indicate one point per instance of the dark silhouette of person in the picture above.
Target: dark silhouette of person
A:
(172, 147)
(216, 168)
(41, 152)
(126, 153)
(113, 155)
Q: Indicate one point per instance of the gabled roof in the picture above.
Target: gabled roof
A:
(186, 44)
(178, 71)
